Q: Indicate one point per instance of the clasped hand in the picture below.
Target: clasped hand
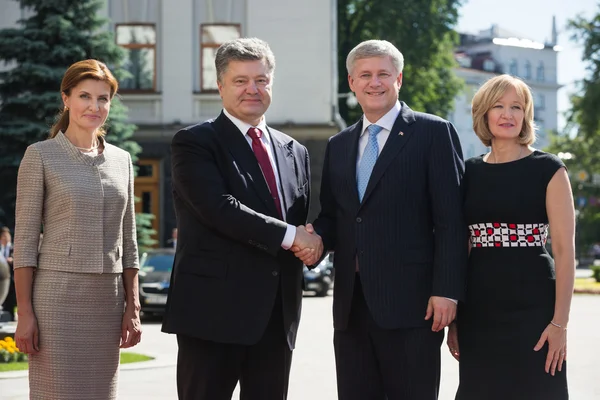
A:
(308, 245)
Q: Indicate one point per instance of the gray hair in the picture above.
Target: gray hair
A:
(243, 49)
(375, 48)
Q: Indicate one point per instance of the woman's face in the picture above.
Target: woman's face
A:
(505, 118)
(89, 104)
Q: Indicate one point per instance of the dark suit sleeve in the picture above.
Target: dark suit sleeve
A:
(445, 174)
(198, 181)
(307, 171)
(325, 223)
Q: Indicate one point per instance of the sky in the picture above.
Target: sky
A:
(533, 20)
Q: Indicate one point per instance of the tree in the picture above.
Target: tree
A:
(57, 34)
(422, 30)
(580, 140)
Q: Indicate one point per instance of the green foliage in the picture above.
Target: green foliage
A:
(422, 30)
(585, 105)
(582, 135)
(57, 34)
(143, 223)
(584, 157)
(596, 272)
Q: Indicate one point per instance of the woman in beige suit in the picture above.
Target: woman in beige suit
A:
(77, 296)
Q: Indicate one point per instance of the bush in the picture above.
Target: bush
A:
(596, 271)
(9, 351)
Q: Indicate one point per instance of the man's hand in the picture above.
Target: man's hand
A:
(308, 245)
(443, 311)
(452, 341)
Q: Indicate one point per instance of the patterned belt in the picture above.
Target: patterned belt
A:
(500, 234)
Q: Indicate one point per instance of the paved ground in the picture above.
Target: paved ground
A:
(313, 373)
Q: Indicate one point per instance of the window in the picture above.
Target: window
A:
(513, 69)
(541, 130)
(540, 102)
(540, 72)
(527, 74)
(211, 37)
(139, 42)
(488, 65)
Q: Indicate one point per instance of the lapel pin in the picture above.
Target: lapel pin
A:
(401, 133)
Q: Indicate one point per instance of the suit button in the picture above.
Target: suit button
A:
(275, 273)
(358, 219)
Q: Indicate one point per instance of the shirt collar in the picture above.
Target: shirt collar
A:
(244, 126)
(386, 122)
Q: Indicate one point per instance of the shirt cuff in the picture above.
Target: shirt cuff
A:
(452, 300)
(288, 239)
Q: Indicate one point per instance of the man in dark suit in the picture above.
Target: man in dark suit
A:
(240, 189)
(391, 211)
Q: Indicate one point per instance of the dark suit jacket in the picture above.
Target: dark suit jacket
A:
(408, 234)
(229, 263)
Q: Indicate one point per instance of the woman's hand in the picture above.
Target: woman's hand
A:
(452, 341)
(131, 327)
(27, 336)
(557, 347)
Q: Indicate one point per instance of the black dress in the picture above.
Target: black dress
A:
(510, 282)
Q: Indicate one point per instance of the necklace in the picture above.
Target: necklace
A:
(518, 157)
(86, 149)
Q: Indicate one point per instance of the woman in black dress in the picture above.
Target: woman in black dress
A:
(511, 332)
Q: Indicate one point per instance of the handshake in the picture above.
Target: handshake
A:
(308, 245)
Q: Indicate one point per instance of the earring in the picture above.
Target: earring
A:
(66, 108)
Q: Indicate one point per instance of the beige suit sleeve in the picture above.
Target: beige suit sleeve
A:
(29, 209)
(130, 248)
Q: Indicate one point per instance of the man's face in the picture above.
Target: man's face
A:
(376, 84)
(245, 88)
(4, 238)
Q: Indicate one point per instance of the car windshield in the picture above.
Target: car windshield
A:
(158, 262)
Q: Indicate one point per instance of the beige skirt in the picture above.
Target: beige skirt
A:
(79, 318)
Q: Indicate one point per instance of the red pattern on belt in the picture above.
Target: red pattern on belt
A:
(502, 234)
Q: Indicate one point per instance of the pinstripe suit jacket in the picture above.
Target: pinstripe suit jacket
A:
(85, 205)
(408, 234)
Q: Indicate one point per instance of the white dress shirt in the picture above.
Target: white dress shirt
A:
(386, 122)
(290, 233)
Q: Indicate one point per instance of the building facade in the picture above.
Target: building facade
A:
(496, 51)
(170, 46)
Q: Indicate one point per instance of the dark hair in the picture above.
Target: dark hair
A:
(243, 49)
(80, 71)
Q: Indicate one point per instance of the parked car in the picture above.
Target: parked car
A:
(155, 277)
(320, 278)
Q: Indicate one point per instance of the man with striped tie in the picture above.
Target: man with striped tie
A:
(391, 210)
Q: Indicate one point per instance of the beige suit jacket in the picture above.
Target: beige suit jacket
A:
(84, 204)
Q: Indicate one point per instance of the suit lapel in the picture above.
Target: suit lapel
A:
(284, 158)
(244, 156)
(399, 136)
(351, 149)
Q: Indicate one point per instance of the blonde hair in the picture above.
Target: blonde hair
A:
(80, 71)
(485, 98)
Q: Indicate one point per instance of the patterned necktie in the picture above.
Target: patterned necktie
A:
(260, 151)
(367, 162)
